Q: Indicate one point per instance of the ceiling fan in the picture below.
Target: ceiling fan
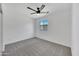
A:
(38, 11)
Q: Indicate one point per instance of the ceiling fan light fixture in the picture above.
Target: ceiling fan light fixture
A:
(38, 14)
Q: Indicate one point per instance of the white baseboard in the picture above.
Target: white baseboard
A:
(49, 39)
(13, 40)
(25, 38)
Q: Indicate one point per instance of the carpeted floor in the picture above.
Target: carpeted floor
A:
(36, 47)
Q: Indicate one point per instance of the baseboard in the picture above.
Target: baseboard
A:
(50, 40)
(13, 40)
(4, 44)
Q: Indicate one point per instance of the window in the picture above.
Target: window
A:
(44, 25)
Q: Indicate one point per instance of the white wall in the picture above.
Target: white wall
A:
(0, 34)
(59, 28)
(0, 30)
(75, 30)
(16, 25)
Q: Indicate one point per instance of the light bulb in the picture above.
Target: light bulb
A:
(38, 14)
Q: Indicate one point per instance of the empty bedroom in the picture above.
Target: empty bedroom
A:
(36, 29)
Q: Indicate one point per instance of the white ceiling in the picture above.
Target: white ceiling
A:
(51, 7)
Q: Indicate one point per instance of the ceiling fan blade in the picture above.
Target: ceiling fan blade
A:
(31, 9)
(44, 12)
(42, 7)
(33, 13)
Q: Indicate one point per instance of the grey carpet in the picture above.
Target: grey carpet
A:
(36, 47)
